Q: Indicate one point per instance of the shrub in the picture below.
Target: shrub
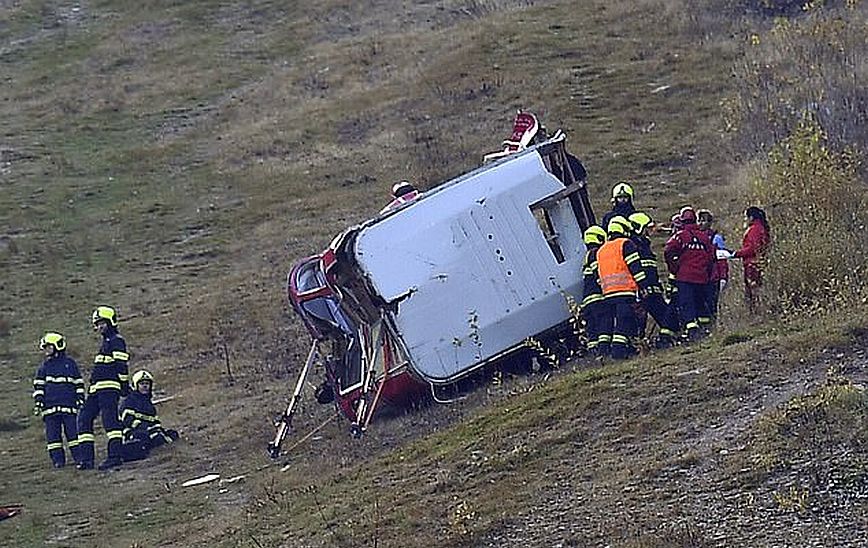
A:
(818, 260)
(802, 109)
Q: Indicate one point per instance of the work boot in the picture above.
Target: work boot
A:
(110, 462)
(85, 465)
(663, 342)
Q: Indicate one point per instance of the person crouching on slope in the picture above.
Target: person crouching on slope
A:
(621, 278)
(592, 294)
(58, 391)
(143, 430)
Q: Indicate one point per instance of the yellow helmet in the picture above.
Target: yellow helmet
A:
(140, 376)
(619, 226)
(640, 221)
(106, 313)
(622, 189)
(595, 235)
(53, 339)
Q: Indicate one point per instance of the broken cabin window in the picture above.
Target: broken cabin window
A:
(348, 369)
(544, 221)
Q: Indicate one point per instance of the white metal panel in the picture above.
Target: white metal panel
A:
(470, 267)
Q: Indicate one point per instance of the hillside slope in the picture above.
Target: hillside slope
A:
(172, 159)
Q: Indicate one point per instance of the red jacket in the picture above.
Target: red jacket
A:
(690, 255)
(756, 240)
(721, 266)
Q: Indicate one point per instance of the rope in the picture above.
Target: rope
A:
(307, 436)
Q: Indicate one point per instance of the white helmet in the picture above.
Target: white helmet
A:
(404, 187)
(140, 376)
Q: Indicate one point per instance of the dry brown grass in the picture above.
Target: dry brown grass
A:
(800, 120)
(174, 158)
(813, 65)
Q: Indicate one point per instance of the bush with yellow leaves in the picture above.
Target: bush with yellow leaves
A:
(801, 115)
(818, 260)
(812, 63)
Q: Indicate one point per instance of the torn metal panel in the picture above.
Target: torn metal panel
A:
(472, 268)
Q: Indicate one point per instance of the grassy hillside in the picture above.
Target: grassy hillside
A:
(173, 158)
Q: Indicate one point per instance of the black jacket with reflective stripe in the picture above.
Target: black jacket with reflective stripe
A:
(591, 290)
(137, 412)
(110, 369)
(58, 383)
(649, 261)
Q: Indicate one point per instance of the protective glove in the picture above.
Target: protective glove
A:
(37, 409)
(724, 254)
(722, 285)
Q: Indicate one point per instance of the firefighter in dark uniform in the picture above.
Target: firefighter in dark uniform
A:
(109, 380)
(690, 256)
(652, 298)
(621, 277)
(143, 430)
(58, 392)
(592, 294)
(622, 203)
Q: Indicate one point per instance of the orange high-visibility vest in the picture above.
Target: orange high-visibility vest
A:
(615, 277)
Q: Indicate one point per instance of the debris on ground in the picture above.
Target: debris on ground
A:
(200, 480)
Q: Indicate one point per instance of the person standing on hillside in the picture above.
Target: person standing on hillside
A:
(756, 241)
(622, 203)
(690, 256)
(592, 294)
(621, 278)
(670, 290)
(143, 430)
(652, 298)
(720, 273)
(58, 392)
(109, 380)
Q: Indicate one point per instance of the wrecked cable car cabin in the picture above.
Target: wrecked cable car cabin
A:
(422, 296)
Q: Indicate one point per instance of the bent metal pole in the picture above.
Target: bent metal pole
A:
(286, 420)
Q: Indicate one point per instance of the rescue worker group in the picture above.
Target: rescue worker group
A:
(129, 417)
(622, 285)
